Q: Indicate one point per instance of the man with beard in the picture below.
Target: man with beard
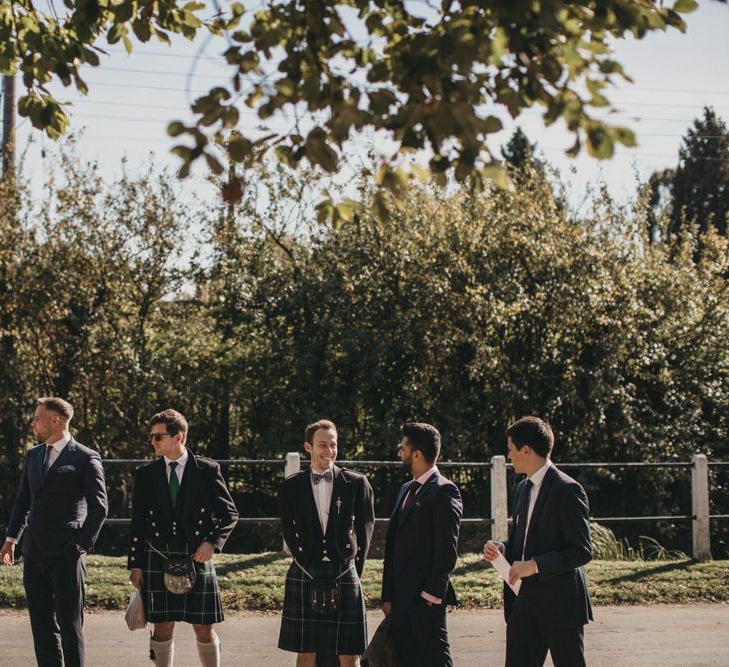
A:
(59, 510)
(327, 518)
(421, 552)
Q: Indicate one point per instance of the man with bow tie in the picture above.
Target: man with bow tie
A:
(327, 518)
(421, 551)
(59, 510)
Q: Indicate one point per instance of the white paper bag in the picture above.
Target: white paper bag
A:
(134, 615)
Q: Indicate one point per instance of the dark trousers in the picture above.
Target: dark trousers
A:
(421, 635)
(528, 639)
(54, 588)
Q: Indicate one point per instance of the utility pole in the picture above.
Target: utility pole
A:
(8, 145)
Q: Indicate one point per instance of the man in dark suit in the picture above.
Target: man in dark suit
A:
(59, 510)
(181, 509)
(548, 548)
(421, 551)
(327, 518)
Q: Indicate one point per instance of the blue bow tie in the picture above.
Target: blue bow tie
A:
(316, 477)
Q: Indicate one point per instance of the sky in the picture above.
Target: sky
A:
(123, 119)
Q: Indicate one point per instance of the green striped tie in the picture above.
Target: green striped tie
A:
(174, 483)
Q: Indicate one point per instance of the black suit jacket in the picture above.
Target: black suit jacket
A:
(422, 544)
(66, 507)
(349, 526)
(558, 539)
(204, 511)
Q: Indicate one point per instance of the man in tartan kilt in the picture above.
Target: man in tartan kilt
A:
(181, 508)
(327, 517)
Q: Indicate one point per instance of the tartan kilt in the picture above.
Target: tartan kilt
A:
(304, 631)
(202, 605)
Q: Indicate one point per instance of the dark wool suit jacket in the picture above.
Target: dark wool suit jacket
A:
(350, 525)
(558, 539)
(204, 511)
(422, 544)
(65, 507)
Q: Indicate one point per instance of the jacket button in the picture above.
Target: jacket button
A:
(197, 532)
(297, 534)
(151, 512)
(156, 534)
(136, 539)
(202, 510)
(300, 549)
(323, 541)
(200, 521)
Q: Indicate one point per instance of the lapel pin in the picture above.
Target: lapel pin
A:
(338, 504)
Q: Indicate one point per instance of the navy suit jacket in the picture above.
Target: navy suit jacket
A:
(558, 539)
(66, 507)
(421, 548)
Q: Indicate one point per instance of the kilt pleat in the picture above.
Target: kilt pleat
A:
(344, 632)
(202, 605)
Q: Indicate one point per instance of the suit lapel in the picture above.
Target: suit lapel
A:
(427, 488)
(189, 485)
(66, 455)
(339, 490)
(36, 466)
(544, 489)
(306, 494)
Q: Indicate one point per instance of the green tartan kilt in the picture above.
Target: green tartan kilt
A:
(202, 605)
(303, 631)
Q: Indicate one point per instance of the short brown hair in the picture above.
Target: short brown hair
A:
(173, 420)
(57, 405)
(534, 432)
(313, 428)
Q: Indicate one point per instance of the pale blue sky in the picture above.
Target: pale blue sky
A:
(133, 97)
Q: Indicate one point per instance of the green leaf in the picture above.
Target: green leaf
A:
(685, 6)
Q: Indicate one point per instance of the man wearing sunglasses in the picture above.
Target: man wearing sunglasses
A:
(182, 512)
(59, 510)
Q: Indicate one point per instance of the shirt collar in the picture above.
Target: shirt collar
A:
(180, 462)
(60, 444)
(538, 477)
(426, 475)
(330, 469)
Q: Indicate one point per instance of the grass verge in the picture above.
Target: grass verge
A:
(254, 582)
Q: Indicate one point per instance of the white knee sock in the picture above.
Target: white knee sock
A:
(209, 653)
(162, 653)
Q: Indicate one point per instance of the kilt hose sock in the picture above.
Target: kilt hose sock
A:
(209, 653)
(162, 653)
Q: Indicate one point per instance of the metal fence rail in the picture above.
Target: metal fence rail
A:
(499, 517)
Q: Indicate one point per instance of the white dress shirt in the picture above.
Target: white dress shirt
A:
(322, 496)
(56, 449)
(180, 466)
(536, 479)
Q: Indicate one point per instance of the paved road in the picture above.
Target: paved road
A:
(684, 636)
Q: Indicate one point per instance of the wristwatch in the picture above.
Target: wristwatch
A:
(80, 549)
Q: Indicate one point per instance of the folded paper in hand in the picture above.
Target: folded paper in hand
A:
(501, 565)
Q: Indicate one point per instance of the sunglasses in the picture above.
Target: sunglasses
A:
(157, 436)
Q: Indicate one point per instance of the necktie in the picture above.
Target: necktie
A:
(521, 521)
(413, 489)
(316, 477)
(174, 483)
(47, 459)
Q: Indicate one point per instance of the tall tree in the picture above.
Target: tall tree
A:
(519, 152)
(328, 70)
(700, 186)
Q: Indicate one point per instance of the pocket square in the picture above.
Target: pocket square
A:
(67, 469)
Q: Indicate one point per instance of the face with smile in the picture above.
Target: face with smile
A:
(165, 444)
(322, 449)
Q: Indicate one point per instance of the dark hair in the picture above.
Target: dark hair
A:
(423, 437)
(173, 420)
(313, 428)
(534, 432)
(57, 405)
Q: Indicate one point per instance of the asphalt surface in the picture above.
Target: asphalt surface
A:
(684, 636)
